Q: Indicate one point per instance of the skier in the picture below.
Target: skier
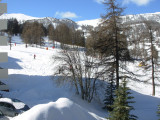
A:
(34, 56)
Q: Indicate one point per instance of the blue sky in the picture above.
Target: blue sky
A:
(77, 9)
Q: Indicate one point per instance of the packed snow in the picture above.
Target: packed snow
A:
(62, 109)
(30, 81)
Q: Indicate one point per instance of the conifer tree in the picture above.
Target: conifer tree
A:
(110, 93)
(158, 112)
(121, 106)
(112, 41)
(13, 27)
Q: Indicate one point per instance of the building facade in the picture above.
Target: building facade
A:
(3, 42)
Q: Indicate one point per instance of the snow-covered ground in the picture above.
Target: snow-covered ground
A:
(30, 81)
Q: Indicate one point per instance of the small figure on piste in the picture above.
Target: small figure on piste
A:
(34, 56)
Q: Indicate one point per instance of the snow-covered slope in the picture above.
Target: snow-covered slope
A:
(19, 17)
(45, 21)
(30, 81)
(127, 18)
(95, 22)
(49, 20)
(141, 17)
(62, 109)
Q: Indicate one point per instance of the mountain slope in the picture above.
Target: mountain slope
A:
(45, 21)
(19, 17)
(49, 20)
(127, 18)
(95, 22)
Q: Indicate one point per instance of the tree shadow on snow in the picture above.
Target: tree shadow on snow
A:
(33, 88)
(11, 64)
(145, 106)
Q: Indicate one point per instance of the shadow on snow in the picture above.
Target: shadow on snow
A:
(11, 64)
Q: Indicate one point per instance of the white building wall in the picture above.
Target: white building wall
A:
(3, 73)
(3, 57)
(3, 41)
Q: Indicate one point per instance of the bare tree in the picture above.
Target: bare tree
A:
(51, 33)
(70, 36)
(32, 33)
(149, 33)
(80, 70)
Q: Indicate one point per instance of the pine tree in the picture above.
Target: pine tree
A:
(13, 27)
(158, 112)
(121, 107)
(110, 93)
(112, 41)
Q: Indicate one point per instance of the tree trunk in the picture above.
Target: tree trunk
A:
(117, 59)
(152, 59)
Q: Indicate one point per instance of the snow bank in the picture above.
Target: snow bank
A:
(62, 109)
